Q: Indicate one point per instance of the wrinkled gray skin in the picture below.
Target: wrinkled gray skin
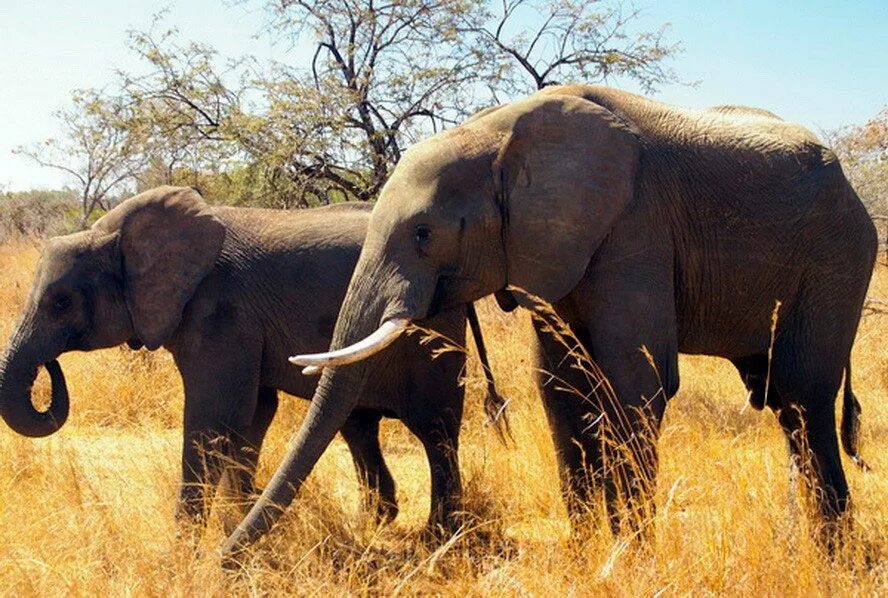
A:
(230, 293)
(645, 225)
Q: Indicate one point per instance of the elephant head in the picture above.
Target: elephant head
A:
(520, 195)
(127, 279)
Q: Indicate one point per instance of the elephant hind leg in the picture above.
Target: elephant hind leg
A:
(440, 439)
(807, 380)
(361, 434)
(814, 452)
(808, 420)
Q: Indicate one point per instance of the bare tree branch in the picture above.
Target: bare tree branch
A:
(578, 40)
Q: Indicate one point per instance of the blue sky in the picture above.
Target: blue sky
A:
(823, 64)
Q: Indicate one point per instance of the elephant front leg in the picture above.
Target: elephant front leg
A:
(361, 434)
(604, 427)
(220, 407)
(627, 308)
(573, 417)
(636, 380)
(209, 454)
(202, 452)
(240, 473)
(629, 440)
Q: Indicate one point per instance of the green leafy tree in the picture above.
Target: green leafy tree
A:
(182, 106)
(102, 149)
(379, 77)
(863, 152)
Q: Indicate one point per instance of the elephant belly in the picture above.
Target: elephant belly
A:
(727, 307)
(697, 340)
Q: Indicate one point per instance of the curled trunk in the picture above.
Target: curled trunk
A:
(16, 408)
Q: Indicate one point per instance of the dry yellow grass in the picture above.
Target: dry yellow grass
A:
(89, 510)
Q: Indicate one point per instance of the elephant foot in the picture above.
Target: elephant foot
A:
(386, 511)
(442, 527)
(834, 534)
(470, 532)
(188, 533)
(756, 400)
(381, 504)
(237, 508)
(433, 535)
(190, 523)
(233, 561)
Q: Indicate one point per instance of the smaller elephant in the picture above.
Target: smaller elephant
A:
(231, 292)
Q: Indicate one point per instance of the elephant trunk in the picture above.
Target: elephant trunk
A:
(16, 381)
(338, 391)
(334, 400)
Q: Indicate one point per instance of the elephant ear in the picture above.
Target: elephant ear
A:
(169, 241)
(564, 174)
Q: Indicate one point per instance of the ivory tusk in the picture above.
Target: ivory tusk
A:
(312, 370)
(385, 335)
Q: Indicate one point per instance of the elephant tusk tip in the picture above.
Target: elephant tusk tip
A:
(308, 370)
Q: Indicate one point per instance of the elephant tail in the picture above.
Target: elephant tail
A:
(851, 422)
(494, 404)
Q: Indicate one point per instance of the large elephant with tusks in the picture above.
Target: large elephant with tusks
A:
(651, 230)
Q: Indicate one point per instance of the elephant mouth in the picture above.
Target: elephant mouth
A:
(439, 298)
(452, 290)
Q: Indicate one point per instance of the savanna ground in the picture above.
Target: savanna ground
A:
(89, 510)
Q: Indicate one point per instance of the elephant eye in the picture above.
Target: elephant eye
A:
(422, 235)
